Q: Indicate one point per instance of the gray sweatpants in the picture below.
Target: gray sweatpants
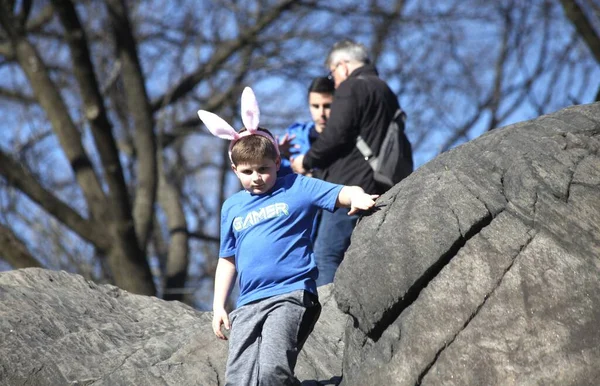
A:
(266, 338)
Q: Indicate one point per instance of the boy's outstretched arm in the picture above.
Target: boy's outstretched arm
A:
(224, 279)
(355, 198)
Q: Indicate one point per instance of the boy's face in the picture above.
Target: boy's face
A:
(258, 178)
(320, 107)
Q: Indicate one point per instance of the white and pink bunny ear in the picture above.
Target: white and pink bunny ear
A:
(250, 111)
(217, 125)
(250, 117)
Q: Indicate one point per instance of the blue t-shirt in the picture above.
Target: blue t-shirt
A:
(305, 134)
(270, 235)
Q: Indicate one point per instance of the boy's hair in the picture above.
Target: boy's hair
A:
(253, 148)
(322, 85)
(347, 51)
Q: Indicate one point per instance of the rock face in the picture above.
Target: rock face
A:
(483, 267)
(57, 329)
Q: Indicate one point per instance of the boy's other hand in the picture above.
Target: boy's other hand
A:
(220, 317)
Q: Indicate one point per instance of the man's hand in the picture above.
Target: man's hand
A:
(297, 164)
(220, 317)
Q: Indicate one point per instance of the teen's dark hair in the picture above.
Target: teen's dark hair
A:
(322, 84)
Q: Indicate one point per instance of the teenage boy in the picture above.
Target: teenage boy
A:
(265, 242)
(300, 135)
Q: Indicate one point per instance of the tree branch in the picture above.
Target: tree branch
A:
(499, 67)
(95, 110)
(21, 178)
(384, 28)
(7, 52)
(41, 19)
(139, 107)
(49, 97)
(583, 26)
(14, 251)
(204, 237)
(214, 103)
(23, 15)
(178, 249)
(17, 96)
(220, 56)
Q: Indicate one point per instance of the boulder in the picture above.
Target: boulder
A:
(57, 328)
(482, 267)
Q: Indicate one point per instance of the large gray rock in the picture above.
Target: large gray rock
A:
(57, 329)
(483, 267)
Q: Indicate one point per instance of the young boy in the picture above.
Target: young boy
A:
(265, 241)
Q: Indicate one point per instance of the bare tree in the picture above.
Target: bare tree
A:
(107, 171)
(102, 115)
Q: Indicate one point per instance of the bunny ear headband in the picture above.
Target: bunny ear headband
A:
(250, 116)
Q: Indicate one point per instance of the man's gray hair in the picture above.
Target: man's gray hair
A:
(349, 51)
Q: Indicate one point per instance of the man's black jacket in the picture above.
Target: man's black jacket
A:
(363, 105)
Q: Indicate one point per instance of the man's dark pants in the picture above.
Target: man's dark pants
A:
(333, 239)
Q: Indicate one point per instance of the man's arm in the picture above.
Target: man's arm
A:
(355, 198)
(224, 279)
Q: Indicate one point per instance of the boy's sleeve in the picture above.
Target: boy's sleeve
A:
(321, 193)
(228, 242)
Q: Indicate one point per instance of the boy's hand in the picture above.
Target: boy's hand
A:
(355, 198)
(220, 317)
(362, 201)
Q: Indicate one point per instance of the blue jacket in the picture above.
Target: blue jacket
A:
(305, 134)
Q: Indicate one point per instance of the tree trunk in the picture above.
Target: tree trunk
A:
(178, 256)
(583, 26)
(14, 251)
(139, 108)
(127, 262)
